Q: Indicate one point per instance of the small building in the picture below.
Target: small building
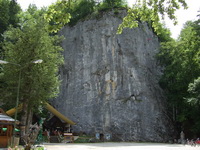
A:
(6, 129)
(58, 122)
(57, 126)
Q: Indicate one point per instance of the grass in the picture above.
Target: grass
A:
(84, 139)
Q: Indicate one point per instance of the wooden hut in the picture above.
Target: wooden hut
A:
(6, 129)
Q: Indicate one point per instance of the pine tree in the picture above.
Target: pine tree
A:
(23, 45)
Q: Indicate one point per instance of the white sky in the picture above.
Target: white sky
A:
(182, 15)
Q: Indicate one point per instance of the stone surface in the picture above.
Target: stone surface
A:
(110, 82)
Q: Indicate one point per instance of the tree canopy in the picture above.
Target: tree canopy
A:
(32, 39)
(57, 16)
(149, 10)
(71, 11)
(8, 16)
(142, 10)
(181, 60)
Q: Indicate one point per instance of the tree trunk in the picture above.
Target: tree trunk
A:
(23, 119)
(29, 132)
(29, 119)
(26, 120)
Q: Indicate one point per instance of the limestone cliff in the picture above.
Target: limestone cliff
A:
(110, 82)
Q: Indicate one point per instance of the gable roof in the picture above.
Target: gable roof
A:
(58, 114)
(49, 108)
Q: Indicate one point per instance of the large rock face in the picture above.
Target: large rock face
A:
(110, 82)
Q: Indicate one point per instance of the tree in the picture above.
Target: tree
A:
(22, 45)
(9, 10)
(149, 10)
(181, 61)
(8, 16)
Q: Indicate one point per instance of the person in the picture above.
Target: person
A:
(182, 137)
(188, 142)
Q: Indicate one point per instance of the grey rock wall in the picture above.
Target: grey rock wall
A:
(110, 82)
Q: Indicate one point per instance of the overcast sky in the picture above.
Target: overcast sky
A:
(183, 15)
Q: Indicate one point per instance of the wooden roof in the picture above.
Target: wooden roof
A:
(58, 114)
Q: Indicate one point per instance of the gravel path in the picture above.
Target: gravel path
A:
(118, 146)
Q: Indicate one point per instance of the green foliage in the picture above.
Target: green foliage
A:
(194, 90)
(57, 15)
(39, 148)
(164, 33)
(144, 10)
(149, 10)
(71, 11)
(31, 41)
(9, 10)
(80, 9)
(84, 139)
(14, 10)
(63, 12)
(181, 60)
(8, 16)
(4, 16)
(110, 4)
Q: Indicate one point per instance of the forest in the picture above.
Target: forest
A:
(26, 36)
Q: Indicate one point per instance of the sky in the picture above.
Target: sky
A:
(182, 15)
